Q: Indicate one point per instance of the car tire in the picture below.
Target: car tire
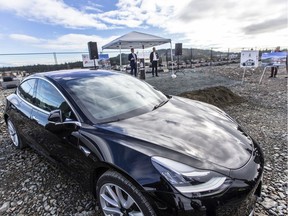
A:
(14, 135)
(118, 196)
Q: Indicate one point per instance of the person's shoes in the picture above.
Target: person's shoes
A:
(270, 77)
(157, 75)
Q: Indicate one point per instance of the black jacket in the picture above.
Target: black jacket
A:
(151, 56)
(134, 61)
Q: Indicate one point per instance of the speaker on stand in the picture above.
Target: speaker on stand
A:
(178, 53)
(93, 51)
(178, 49)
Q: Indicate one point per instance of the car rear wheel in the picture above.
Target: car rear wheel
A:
(14, 135)
(118, 196)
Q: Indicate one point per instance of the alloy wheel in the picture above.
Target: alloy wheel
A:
(13, 134)
(116, 201)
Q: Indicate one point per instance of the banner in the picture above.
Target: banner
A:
(103, 56)
(249, 58)
(274, 58)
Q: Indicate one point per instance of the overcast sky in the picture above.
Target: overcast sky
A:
(67, 25)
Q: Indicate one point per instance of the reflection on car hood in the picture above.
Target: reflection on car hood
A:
(192, 128)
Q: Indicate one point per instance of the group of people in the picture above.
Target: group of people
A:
(154, 57)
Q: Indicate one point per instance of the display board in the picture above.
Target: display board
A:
(103, 56)
(274, 58)
(249, 58)
(87, 62)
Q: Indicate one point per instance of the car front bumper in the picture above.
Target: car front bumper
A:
(238, 200)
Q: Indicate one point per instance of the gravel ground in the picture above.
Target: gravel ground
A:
(30, 185)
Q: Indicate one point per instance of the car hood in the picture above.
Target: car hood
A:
(190, 128)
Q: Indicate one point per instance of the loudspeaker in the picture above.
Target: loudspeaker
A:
(93, 50)
(178, 49)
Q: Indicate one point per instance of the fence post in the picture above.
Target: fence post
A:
(55, 58)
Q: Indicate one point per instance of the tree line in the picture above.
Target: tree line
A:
(43, 67)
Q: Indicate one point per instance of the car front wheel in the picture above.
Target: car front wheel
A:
(118, 196)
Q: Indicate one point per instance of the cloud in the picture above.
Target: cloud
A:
(121, 18)
(128, 14)
(24, 38)
(139, 13)
(52, 12)
(76, 42)
(192, 22)
(93, 7)
(220, 23)
(196, 10)
(266, 26)
(68, 42)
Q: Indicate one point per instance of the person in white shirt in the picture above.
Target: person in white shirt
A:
(132, 57)
(154, 57)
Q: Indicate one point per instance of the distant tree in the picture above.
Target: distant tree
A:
(42, 68)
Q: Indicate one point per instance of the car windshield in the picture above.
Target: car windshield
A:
(112, 97)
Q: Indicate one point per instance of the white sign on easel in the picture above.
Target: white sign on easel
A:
(249, 59)
(87, 62)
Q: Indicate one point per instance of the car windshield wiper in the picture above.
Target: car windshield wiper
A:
(160, 104)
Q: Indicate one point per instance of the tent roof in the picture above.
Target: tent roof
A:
(136, 40)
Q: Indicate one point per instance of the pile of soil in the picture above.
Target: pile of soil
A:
(219, 96)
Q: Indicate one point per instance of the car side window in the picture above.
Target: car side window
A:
(49, 99)
(26, 90)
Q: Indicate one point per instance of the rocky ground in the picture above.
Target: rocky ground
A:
(30, 185)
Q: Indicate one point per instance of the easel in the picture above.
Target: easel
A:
(269, 66)
(243, 76)
(274, 59)
(249, 59)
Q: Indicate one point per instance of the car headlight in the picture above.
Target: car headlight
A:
(190, 181)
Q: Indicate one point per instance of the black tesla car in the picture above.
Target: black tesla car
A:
(139, 151)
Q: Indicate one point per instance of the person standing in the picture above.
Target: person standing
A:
(274, 69)
(132, 57)
(154, 57)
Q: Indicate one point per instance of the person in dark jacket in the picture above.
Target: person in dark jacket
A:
(132, 57)
(154, 57)
(274, 69)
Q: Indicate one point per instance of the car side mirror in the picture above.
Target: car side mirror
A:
(55, 116)
(56, 124)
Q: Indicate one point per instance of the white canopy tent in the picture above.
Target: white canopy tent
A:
(137, 40)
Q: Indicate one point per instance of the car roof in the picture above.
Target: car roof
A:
(74, 74)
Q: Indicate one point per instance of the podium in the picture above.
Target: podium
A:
(142, 69)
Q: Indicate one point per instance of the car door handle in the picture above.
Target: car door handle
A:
(85, 150)
(34, 118)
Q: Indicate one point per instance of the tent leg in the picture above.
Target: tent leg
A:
(142, 70)
(120, 58)
(173, 75)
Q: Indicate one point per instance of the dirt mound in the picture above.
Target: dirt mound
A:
(219, 96)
